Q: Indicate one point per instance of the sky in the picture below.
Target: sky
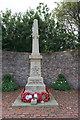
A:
(23, 5)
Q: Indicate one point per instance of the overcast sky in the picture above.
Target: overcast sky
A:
(23, 5)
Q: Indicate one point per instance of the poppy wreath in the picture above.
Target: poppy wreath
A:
(46, 95)
(25, 96)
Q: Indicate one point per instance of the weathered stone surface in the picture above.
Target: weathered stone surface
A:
(35, 81)
(18, 64)
(35, 84)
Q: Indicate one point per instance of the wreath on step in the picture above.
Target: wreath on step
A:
(27, 96)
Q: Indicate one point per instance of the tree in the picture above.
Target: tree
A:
(68, 14)
(17, 31)
(56, 38)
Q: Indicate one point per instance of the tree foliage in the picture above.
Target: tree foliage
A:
(68, 14)
(17, 31)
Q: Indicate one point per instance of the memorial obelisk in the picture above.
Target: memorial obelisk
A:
(35, 81)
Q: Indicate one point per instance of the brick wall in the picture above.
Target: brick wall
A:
(66, 62)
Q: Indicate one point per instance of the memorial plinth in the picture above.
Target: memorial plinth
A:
(35, 81)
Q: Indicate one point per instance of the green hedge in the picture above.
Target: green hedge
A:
(61, 83)
(8, 84)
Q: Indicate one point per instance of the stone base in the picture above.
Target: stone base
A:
(34, 88)
(35, 84)
(19, 103)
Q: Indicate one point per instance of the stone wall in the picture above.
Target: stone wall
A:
(66, 62)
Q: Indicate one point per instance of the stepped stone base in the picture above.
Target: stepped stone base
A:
(35, 84)
(19, 103)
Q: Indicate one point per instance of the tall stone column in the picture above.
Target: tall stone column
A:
(35, 81)
(35, 36)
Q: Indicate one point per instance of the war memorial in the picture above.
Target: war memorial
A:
(35, 92)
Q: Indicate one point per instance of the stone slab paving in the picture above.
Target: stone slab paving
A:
(68, 106)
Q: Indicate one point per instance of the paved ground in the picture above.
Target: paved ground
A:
(68, 106)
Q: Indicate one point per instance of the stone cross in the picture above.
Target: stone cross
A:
(35, 81)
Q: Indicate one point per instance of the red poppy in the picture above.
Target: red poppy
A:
(27, 96)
